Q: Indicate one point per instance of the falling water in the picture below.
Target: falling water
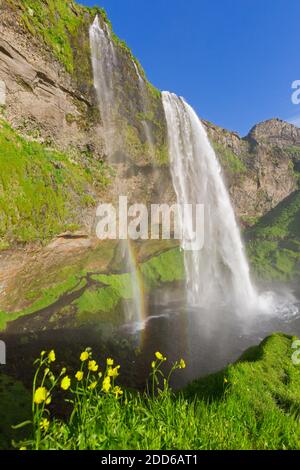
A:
(219, 273)
(105, 63)
(105, 69)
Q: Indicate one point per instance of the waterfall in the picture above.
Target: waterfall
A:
(219, 273)
(105, 63)
(105, 70)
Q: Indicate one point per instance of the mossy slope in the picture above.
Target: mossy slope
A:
(274, 242)
(254, 403)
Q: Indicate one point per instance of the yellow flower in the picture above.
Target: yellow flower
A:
(118, 392)
(93, 386)
(84, 356)
(65, 383)
(40, 395)
(110, 362)
(113, 372)
(153, 364)
(100, 374)
(44, 424)
(43, 353)
(93, 367)
(182, 364)
(79, 376)
(23, 448)
(106, 385)
(225, 380)
(160, 357)
(51, 356)
(48, 401)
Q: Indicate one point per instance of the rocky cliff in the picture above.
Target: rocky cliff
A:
(45, 63)
(261, 168)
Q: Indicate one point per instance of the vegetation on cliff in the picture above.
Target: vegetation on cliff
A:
(61, 25)
(42, 191)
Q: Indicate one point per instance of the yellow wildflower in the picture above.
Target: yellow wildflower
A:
(160, 357)
(110, 362)
(182, 364)
(65, 383)
(48, 401)
(106, 385)
(153, 364)
(93, 366)
(93, 385)
(113, 372)
(225, 380)
(118, 392)
(79, 376)
(44, 424)
(40, 395)
(51, 356)
(23, 448)
(84, 356)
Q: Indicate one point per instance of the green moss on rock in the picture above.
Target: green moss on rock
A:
(229, 161)
(42, 191)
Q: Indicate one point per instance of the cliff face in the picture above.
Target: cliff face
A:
(45, 63)
(50, 95)
(54, 168)
(261, 168)
(42, 98)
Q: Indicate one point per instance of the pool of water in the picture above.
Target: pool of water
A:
(207, 340)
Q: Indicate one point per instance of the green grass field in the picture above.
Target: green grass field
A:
(252, 404)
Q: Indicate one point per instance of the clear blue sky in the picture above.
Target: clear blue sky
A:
(233, 60)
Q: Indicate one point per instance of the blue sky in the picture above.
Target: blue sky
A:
(233, 60)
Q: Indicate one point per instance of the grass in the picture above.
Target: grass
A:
(274, 242)
(42, 191)
(167, 267)
(252, 404)
(14, 406)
